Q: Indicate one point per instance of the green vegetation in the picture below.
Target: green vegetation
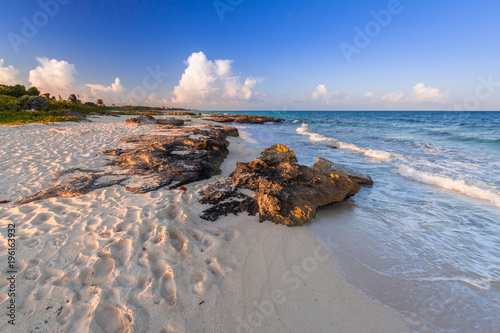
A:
(19, 105)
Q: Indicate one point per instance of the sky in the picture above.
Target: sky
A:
(258, 55)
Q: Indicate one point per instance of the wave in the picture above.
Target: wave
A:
(331, 142)
(456, 185)
(315, 137)
(296, 121)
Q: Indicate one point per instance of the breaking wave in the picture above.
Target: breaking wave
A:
(456, 185)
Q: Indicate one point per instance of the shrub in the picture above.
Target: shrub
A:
(30, 102)
(14, 91)
(8, 103)
(33, 91)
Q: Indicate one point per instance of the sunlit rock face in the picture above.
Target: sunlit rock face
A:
(285, 192)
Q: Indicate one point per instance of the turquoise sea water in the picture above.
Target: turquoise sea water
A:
(425, 239)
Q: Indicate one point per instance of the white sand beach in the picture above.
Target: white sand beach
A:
(114, 261)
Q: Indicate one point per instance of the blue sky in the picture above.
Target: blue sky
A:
(258, 55)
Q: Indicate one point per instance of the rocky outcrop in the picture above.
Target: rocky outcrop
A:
(329, 168)
(168, 159)
(147, 119)
(285, 192)
(71, 113)
(243, 119)
(173, 160)
(76, 187)
(279, 153)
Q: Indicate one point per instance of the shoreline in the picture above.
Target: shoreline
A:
(137, 257)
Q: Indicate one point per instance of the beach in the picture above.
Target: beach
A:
(115, 261)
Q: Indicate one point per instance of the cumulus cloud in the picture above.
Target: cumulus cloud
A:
(322, 94)
(8, 74)
(421, 93)
(114, 93)
(326, 97)
(368, 94)
(205, 80)
(53, 76)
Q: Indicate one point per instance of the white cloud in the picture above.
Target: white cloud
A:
(421, 93)
(115, 87)
(368, 94)
(115, 93)
(322, 94)
(53, 76)
(205, 80)
(8, 74)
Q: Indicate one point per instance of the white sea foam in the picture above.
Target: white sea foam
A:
(456, 185)
(296, 121)
(315, 137)
(379, 154)
(331, 142)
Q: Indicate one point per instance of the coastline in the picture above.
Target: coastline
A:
(147, 261)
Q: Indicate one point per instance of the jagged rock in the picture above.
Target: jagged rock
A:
(285, 192)
(329, 168)
(141, 120)
(71, 113)
(75, 187)
(147, 119)
(248, 205)
(177, 158)
(278, 153)
(170, 122)
(243, 119)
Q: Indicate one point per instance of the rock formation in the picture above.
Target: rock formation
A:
(243, 119)
(328, 168)
(168, 159)
(285, 192)
(146, 119)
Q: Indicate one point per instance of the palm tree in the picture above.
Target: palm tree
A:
(100, 102)
(72, 98)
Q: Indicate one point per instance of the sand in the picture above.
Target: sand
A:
(113, 261)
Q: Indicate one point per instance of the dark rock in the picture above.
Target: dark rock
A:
(285, 192)
(141, 120)
(147, 119)
(156, 161)
(243, 119)
(171, 122)
(231, 207)
(329, 168)
(75, 187)
(71, 113)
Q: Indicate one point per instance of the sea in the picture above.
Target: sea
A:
(424, 240)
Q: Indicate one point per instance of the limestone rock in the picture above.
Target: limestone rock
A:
(176, 158)
(243, 119)
(329, 168)
(147, 119)
(285, 192)
(278, 153)
(141, 120)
